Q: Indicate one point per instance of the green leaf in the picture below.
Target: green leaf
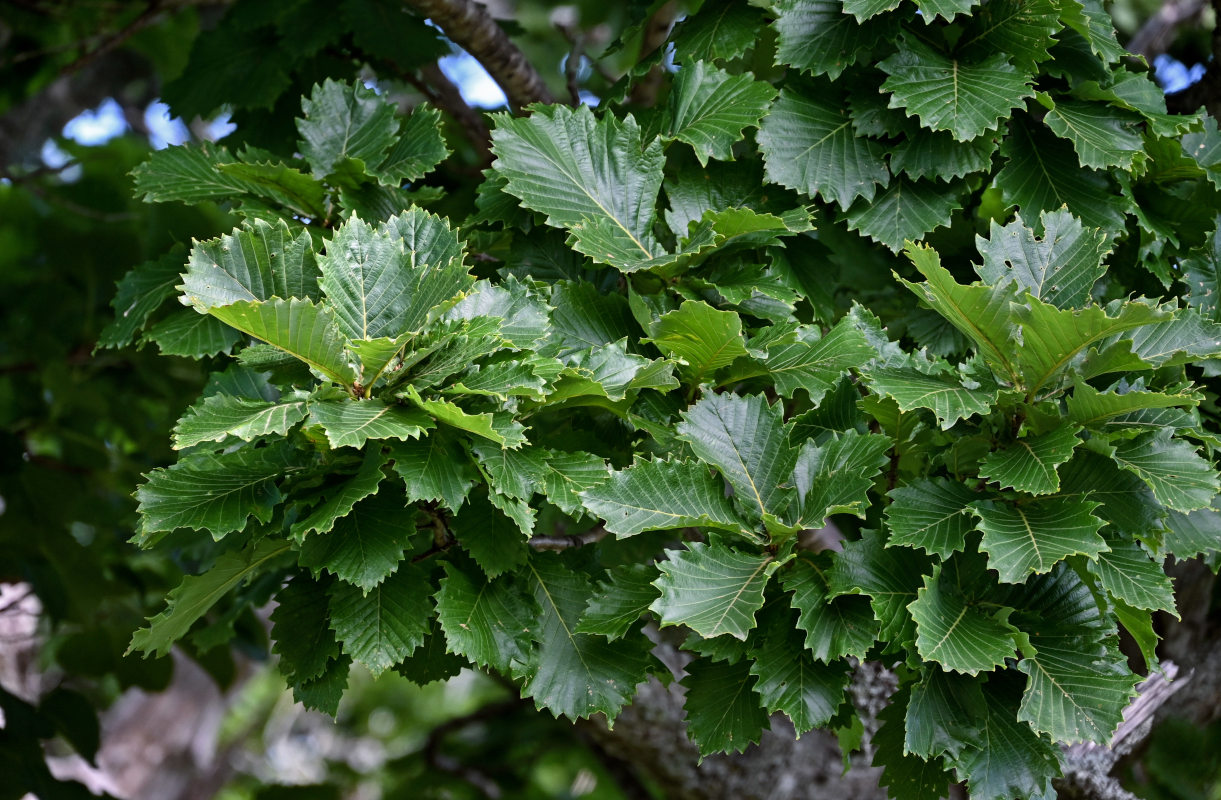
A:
(1079, 682)
(516, 473)
(188, 174)
(722, 30)
(488, 621)
(417, 150)
(300, 629)
(744, 438)
(951, 95)
(864, 9)
(1054, 340)
(702, 338)
(324, 692)
(1021, 28)
(221, 416)
(1127, 572)
(836, 476)
(723, 708)
(934, 515)
(709, 108)
(383, 285)
(382, 627)
(907, 210)
(1126, 502)
(1095, 409)
(808, 145)
(185, 333)
(573, 167)
(257, 263)
(662, 495)
(1059, 268)
(297, 327)
(281, 184)
(504, 431)
(496, 542)
(844, 626)
(1008, 759)
(198, 593)
(1029, 463)
(568, 474)
(523, 313)
(1042, 173)
(955, 629)
(890, 577)
(345, 121)
(712, 590)
(944, 714)
(1189, 535)
(366, 545)
(617, 604)
(792, 682)
(1025, 537)
(1179, 477)
(937, 154)
(905, 774)
(350, 423)
(576, 674)
(434, 469)
(808, 361)
(1091, 20)
(216, 493)
(342, 497)
(1102, 135)
(818, 37)
(141, 292)
(980, 312)
(942, 393)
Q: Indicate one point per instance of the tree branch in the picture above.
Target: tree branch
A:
(562, 542)
(469, 25)
(1160, 29)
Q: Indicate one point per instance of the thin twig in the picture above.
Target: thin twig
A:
(572, 67)
(563, 542)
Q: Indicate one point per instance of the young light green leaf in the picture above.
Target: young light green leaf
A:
(808, 361)
(488, 621)
(350, 423)
(1029, 463)
(501, 429)
(744, 438)
(932, 514)
(297, 327)
(365, 546)
(709, 108)
(1059, 268)
(576, 674)
(951, 95)
(1179, 477)
(662, 495)
(257, 263)
(723, 708)
(713, 590)
(1025, 537)
(617, 604)
(198, 593)
(221, 416)
(808, 145)
(382, 627)
(701, 337)
(216, 493)
(345, 121)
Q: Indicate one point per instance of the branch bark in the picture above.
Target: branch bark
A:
(469, 25)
